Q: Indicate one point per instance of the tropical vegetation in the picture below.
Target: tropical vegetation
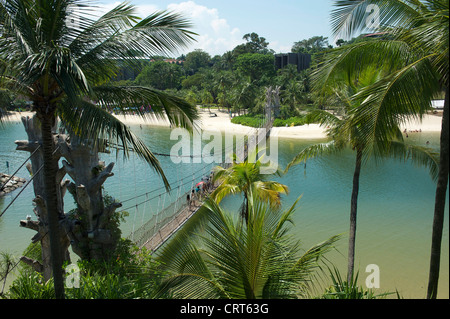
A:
(80, 70)
(414, 49)
(256, 259)
(245, 176)
(348, 134)
(64, 67)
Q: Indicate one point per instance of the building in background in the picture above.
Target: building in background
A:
(301, 60)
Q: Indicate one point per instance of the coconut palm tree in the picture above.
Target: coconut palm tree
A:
(292, 95)
(222, 81)
(243, 94)
(61, 58)
(233, 260)
(415, 48)
(242, 177)
(345, 133)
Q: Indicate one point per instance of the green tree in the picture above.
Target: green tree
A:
(258, 67)
(236, 260)
(254, 44)
(196, 60)
(243, 94)
(227, 61)
(191, 97)
(292, 95)
(192, 81)
(223, 81)
(208, 82)
(60, 59)
(312, 45)
(418, 55)
(207, 99)
(347, 132)
(246, 176)
(287, 74)
(161, 75)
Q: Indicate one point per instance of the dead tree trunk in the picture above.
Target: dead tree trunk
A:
(32, 128)
(95, 239)
(88, 230)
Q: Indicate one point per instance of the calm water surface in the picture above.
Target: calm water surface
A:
(395, 212)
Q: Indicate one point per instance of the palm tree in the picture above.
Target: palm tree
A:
(223, 81)
(61, 59)
(207, 99)
(241, 261)
(242, 177)
(345, 133)
(243, 94)
(292, 95)
(416, 50)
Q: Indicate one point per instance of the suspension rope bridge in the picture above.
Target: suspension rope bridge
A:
(161, 226)
(170, 216)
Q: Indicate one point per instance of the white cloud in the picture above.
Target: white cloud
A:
(279, 48)
(215, 35)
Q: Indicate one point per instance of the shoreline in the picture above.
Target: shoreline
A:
(222, 123)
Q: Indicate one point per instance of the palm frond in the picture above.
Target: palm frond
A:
(16, 26)
(324, 118)
(418, 155)
(112, 39)
(254, 260)
(393, 101)
(312, 152)
(270, 191)
(128, 99)
(86, 120)
(286, 217)
(189, 274)
(310, 265)
(431, 35)
(347, 62)
(350, 16)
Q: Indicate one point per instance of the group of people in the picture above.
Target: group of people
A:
(412, 131)
(201, 189)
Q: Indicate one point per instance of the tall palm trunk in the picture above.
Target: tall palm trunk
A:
(439, 209)
(244, 211)
(353, 211)
(50, 169)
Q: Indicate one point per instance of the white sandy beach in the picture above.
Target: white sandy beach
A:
(429, 123)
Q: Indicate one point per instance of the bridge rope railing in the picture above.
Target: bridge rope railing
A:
(167, 215)
(167, 212)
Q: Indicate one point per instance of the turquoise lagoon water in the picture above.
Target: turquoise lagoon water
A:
(395, 212)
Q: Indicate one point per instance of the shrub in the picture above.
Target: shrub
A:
(292, 121)
(257, 120)
(133, 274)
(247, 120)
(341, 289)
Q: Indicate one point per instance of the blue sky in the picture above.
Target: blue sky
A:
(222, 23)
